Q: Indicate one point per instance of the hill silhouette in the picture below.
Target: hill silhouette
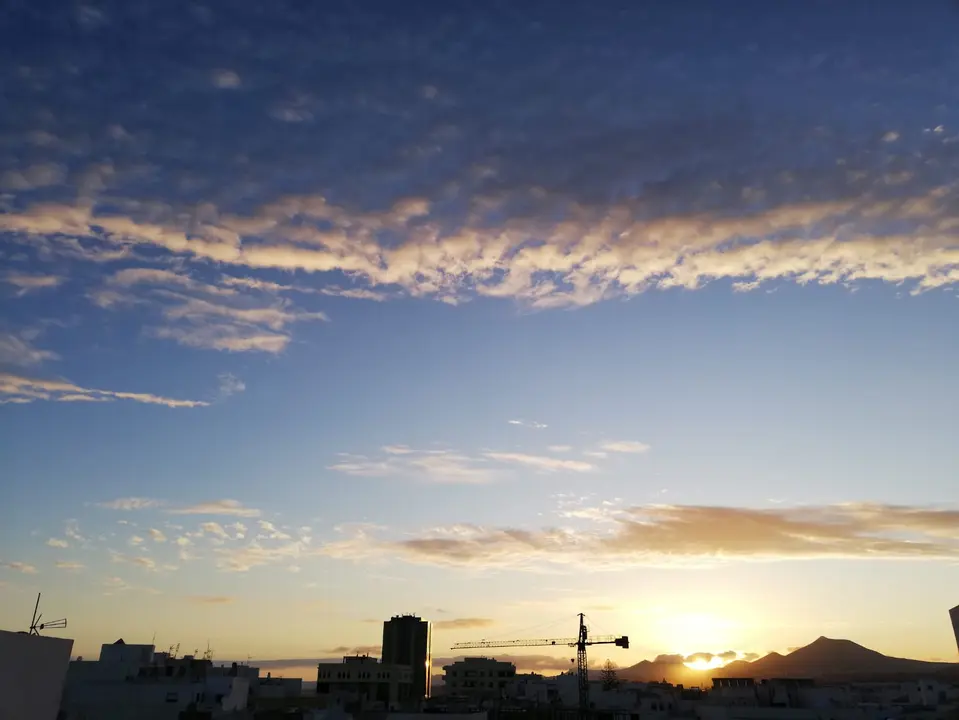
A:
(823, 659)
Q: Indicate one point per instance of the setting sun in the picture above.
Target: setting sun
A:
(706, 663)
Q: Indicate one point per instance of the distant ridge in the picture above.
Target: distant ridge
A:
(823, 659)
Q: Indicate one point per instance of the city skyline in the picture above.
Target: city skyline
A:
(492, 314)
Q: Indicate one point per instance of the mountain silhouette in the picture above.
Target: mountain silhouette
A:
(823, 659)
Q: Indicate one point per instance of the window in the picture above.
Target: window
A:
(172, 697)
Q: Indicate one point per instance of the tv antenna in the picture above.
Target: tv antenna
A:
(36, 626)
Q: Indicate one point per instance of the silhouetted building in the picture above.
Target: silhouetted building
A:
(478, 677)
(406, 641)
(954, 615)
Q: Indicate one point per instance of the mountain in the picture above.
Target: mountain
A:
(823, 659)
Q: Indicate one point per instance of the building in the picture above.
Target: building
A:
(478, 678)
(954, 616)
(32, 673)
(406, 641)
(134, 682)
(365, 684)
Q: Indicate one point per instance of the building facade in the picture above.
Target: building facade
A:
(478, 677)
(32, 673)
(406, 641)
(365, 683)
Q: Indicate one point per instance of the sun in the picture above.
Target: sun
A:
(703, 664)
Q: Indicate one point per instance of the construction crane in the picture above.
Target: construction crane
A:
(580, 643)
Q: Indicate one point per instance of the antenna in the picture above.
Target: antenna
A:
(36, 626)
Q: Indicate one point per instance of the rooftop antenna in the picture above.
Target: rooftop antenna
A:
(36, 626)
(208, 655)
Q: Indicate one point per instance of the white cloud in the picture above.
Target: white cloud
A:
(66, 565)
(624, 446)
(217, 507)
(529, 423)
(225, 79)
(57, 543)
(131, 503)
(17, 389)
(157, 535)
(135, 540)
(230, 385)
(397, 449)
(436, 466)
(25, 283)
(593, 254)
(17, 351)
(676, 535)
(272, 532)
(540, 462)
(215, 529)
(139, 560)
(559, 448)
(21, 567)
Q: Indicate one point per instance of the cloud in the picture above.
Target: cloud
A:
(139, 560)
(654, 535)
(528, 423)
(463, 623)
(19, 567)
(540, 462)
(157, 535)
(232, 316)
(72, 566)
(26, 283)
(33, 177)
(255, 554)
(118, 584)
(624, 446)
(271, 531)
(217, 507)
(670, 659)
(135, 540)
(57, 543)
(559, 448)
(214, 529)
(17, 389)
(230, 385)
(397, 449)
(435, 466)
(211, 599)
(131, 503)
(17, 351)
(699, 656)
(225, 79)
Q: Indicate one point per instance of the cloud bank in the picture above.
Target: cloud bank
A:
(677, 534)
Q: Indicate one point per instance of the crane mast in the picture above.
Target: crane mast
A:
(580, 642)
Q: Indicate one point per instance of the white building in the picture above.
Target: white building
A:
(32, 672)
(478, 677)
(365, 682)
(134, 682)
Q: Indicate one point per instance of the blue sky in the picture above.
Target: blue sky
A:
(484, 312)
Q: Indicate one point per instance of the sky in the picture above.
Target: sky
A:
(316, 313)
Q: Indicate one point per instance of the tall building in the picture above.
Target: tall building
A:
(954, 615)
(406, 641)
